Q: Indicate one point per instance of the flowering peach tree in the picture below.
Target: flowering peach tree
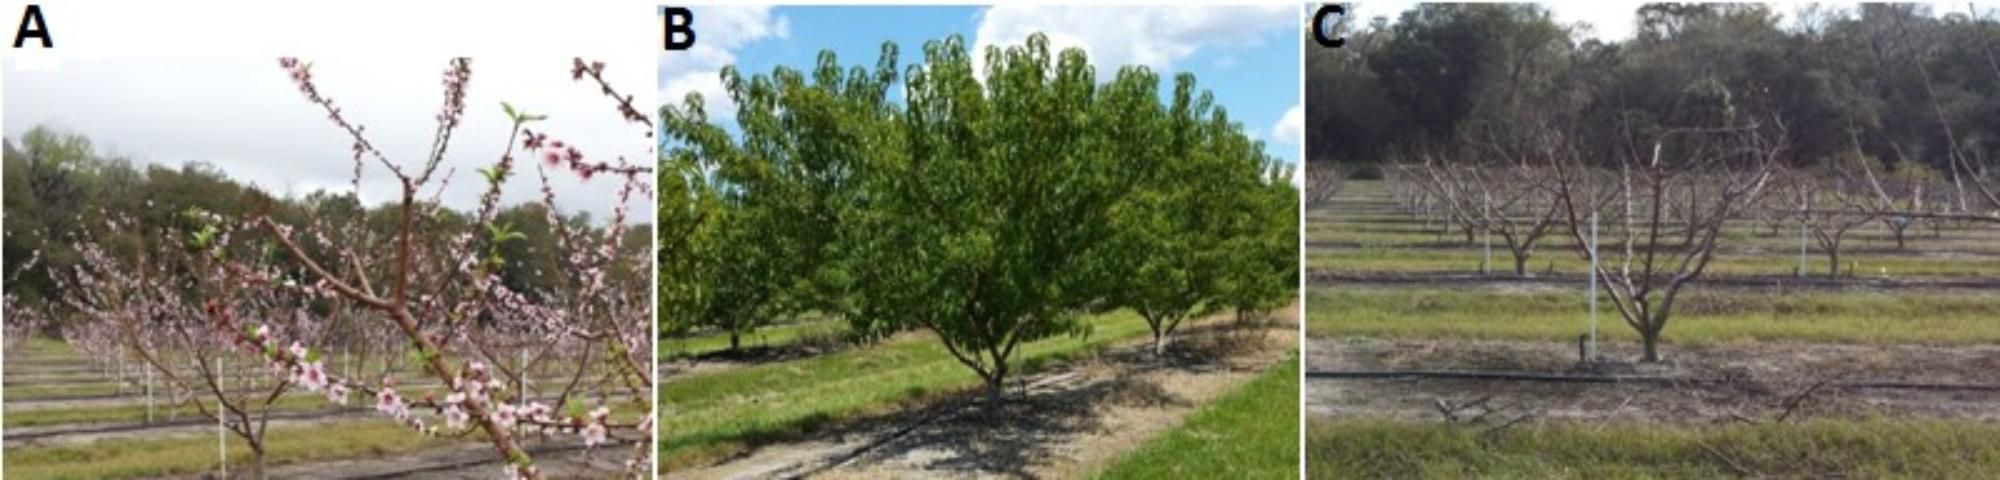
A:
(466, 355)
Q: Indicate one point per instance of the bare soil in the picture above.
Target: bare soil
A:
(469, 460)
(1729, 382)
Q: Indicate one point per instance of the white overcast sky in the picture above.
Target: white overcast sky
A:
(245, 117)
(1615, 21)
(1610, 21)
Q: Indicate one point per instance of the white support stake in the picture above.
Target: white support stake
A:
(1593, 286)
(1802, 248)
(1486, 211)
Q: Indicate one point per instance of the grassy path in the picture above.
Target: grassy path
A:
(1701, 316)
(1812, 449)
(672, 348)
(1252, 433)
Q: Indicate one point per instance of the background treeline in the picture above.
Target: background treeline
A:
(991, 207)
(1891, 82)
(60, 190)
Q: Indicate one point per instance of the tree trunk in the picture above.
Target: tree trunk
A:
(1899, 235)
(994, 384)
(1159, 344)
(735, 341)
(257, 460)
(1520, 265)
(1833, 262)
(1652, 342)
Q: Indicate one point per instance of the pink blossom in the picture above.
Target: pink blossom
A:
(593, 435)
(387, 402)
(312, 375)
(503, 415)
(337, 393)
(454, 413)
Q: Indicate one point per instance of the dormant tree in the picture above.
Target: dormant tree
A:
(1323, 183)
(1511, 200)
(1706, 174)
(1827, 200)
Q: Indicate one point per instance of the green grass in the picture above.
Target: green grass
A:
(707, 416)
(373, 437)
(137, 413)
(671, 348)
(1391, 230)
(1252, 433)
(1375, 260)
(1814, 449)
(1701, 316)
(183, 455)
(28, 392)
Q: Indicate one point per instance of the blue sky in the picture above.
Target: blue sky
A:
(1248, 56)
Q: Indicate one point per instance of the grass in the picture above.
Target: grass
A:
(1863, 448)
(1375, 260)
(1252, 433)
(27, 392)
(708, 416)
(1365, 216)
(1701, 316)
(374, 437)
(182, 455)
(672, 348)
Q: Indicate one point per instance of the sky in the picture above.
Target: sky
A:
(1610, 21)
(245, 117)
(1248, 55)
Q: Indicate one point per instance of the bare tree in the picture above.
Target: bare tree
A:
(1323, 182)
(1708, 174)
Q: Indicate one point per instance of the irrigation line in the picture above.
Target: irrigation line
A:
(47, 431)
(487, 459)
(1613, 379)
(1321, 277)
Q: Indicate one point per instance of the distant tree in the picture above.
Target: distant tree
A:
(775, 205)
(1187, 236)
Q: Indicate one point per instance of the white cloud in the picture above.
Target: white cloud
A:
(1291, 127)
(724, 29)
(1610, 21)
(244, 117)
(1123, 35)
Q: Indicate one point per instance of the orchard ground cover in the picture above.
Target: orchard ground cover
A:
(1760, 378)
(890, 406)
(106, 434)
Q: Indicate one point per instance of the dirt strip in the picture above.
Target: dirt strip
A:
(1716, 383)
